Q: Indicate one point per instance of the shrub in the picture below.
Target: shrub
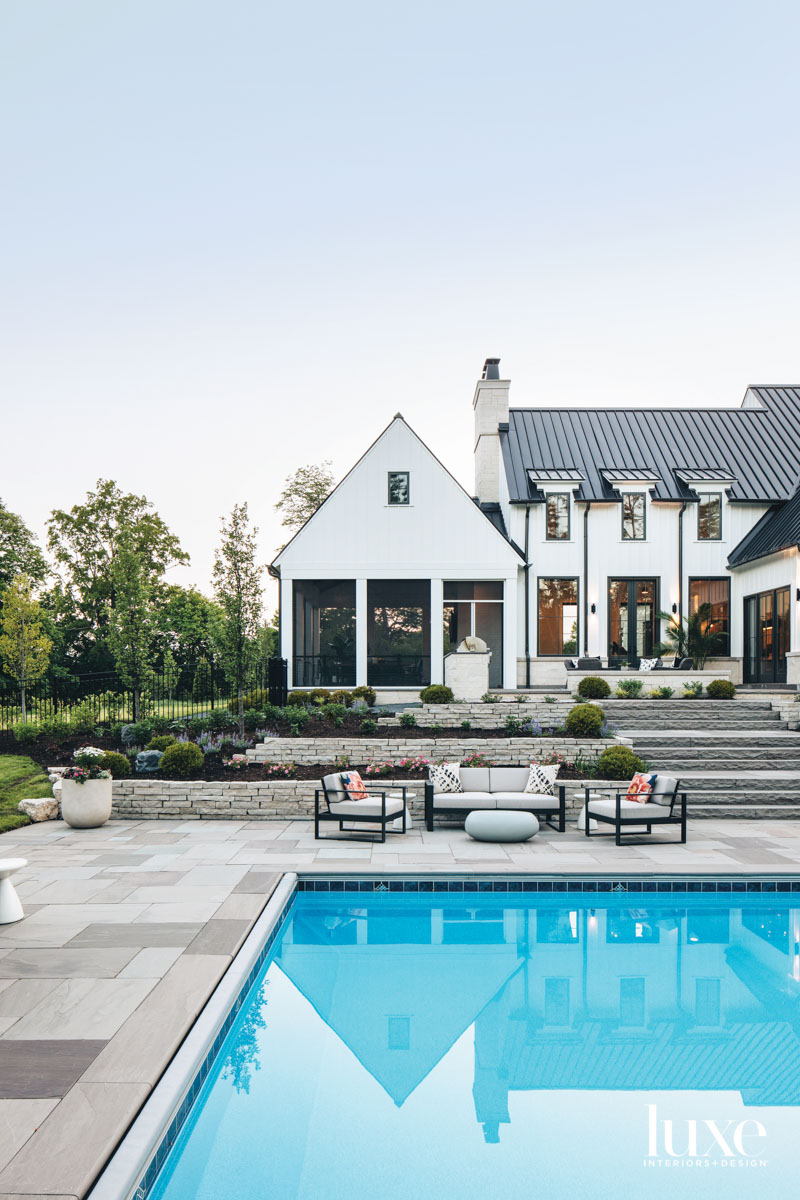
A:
(693, 690)
(219, 720)
(584, 720)
(56, 729)
(407, 720)
(319, 695)
(137, 735)
(271, 712)
(116, 731)
(720, 689)
(379, 768)
(618, 762)
(280, 770)
(437, 693)
(297, 718)
(254, 719)
(368, 694)
(466, 724)
(488, 698)
(661, 693)
(25, 731)
(82, 719)
(254, 699)
(117, 764)
(629, 689)
(342, 696)
(335, 713)
(196, 726)
(593, 688)
(369, 726)
(161, 743)
(181, 759)
(514, 726)
(297, 698)
(159, 725)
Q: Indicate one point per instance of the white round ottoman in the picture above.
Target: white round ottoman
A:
(10, 906)
(501, 825)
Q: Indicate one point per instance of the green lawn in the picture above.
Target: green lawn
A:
(20, 779)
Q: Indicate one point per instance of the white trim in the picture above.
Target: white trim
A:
(361, 632)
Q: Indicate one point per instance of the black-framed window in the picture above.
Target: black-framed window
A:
(558, 616)
(634, 525)
(717, 593)
(709, 517)
(558, 516)
(399, 487)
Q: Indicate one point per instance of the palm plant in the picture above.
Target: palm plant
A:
(690, 636)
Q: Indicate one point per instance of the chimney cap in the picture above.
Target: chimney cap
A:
(491, 369)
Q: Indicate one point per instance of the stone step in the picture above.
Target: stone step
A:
(647, 724)
(755, 812)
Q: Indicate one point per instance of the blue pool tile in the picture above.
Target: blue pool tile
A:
(396, 885)
(738, 885)
(559, 885)
(484, 885)
(440, 885)
(528, 885)
(470, 885)
(351, 885)
(664, 887)
(769, 885)
(724, 885)
(425, 885)
(411, 885)
(455, 885)
(752, 886)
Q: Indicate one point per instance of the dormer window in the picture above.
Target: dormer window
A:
(633, 516)
(558, 517)
(399, 487)
(709, 517)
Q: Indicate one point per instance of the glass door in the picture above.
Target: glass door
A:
(766, 636)
(632, 611)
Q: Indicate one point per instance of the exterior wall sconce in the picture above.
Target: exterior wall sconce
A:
(674, 608)
(797, 593)
(594, 606)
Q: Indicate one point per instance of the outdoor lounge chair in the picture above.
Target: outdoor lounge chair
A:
(666, 806)
(682, 664)
(333, 803)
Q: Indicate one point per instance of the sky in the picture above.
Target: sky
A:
(239, 236)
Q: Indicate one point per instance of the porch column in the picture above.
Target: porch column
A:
(437, 632)
(361, 632)
(287, 627)
(510, 636)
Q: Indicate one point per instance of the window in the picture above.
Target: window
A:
(475, 610)
(709, 517)
(398, 632)
(558, 517)
(558, 616)
(633, 526)
(324, 632)
(715, 592)
(399, 487)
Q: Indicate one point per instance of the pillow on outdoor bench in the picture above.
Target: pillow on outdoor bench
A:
(640, 787)
(541, 780)
(354, 785)
(445, 777)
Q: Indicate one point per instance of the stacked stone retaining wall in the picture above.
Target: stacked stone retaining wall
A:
(503, 751)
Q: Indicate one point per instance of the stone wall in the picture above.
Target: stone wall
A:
(505, 751)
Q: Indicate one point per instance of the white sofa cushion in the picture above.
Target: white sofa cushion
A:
(475, 779)
(464, 800)
(663, 790)
(366, 808)
(508, 779)
(527, 800)
(629, 809)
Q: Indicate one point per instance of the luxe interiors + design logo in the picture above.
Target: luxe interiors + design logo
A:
(692, 1142)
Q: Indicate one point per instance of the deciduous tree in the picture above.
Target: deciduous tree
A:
(24, 646)
(133, 625)
(237, 586)
(19, 553)
(303, 492)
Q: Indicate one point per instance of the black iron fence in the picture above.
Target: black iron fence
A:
(187, 691)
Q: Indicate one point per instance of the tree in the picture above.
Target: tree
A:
(188, 621)
(133, 626)
(303, 493)
(691, 636)
(24, 647)
(19, 553)
(85, 543)
(237, 585)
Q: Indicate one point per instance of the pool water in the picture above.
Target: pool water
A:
(506, 1045)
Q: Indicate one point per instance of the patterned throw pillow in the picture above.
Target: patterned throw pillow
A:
(541, 780)
(647, 664)
(354, 785)
(445, 777)
(640, 787)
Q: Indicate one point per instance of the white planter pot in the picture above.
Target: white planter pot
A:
(86, 805)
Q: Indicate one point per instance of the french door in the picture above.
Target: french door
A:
(766, 636)
(632, 608)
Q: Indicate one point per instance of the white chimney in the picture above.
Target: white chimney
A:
(491, 408)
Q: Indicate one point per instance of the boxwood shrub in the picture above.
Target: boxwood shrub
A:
(720, 689)
(367, 694)
(117, 764)
(593, 688)
(584, 720)
(618, 762)
(436, 693)
(160, 743)
(181, 760)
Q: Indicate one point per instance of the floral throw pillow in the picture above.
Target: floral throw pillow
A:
(541, 780)
(640, 788)
(354, 785)
(445, 777)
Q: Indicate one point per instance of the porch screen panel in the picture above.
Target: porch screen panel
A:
(715, 592)
(475, 609)
(558, 616)
(324, 632)
(398, 632)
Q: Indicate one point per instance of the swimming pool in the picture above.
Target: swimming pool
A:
(505, 1045)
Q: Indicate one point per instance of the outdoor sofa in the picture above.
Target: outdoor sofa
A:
(498, 788)
(666, 806)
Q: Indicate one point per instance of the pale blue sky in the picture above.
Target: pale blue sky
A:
(239, 236)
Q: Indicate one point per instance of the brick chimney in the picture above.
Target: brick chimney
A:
(490, 406)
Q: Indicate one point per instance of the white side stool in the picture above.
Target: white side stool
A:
(10, 905)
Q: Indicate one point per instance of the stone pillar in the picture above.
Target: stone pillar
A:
(467, 673)
(437, 632)
(361, 632)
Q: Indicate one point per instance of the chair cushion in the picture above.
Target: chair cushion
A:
(366, 808)
(475, 779)
(445, 777)
(529, 800)
(664, 790)
(334, 788)
(464, 800)
(508, 779)
(629, 809)
(541, 780)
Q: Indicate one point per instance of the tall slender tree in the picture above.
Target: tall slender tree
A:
(24, 646)
(237, 586)
(133, 625)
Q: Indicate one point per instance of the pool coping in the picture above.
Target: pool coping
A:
(135, 1165)
(132, 1169)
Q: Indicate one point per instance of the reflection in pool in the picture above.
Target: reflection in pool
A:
(500, 1045)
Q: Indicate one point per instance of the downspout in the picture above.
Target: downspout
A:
(586, 579)
(527, 600)
(680, 563)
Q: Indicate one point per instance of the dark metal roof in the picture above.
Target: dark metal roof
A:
(494, 513)
(629, 475)
(778, 529)
(757, 446)
(556, 475)
(702, 475)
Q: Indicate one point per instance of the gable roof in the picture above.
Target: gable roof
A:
(756, 446)
(487, 514)
(778, 529)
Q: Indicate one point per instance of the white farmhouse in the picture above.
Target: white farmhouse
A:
(585, 525)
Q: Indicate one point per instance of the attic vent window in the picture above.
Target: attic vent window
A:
(399, 487)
